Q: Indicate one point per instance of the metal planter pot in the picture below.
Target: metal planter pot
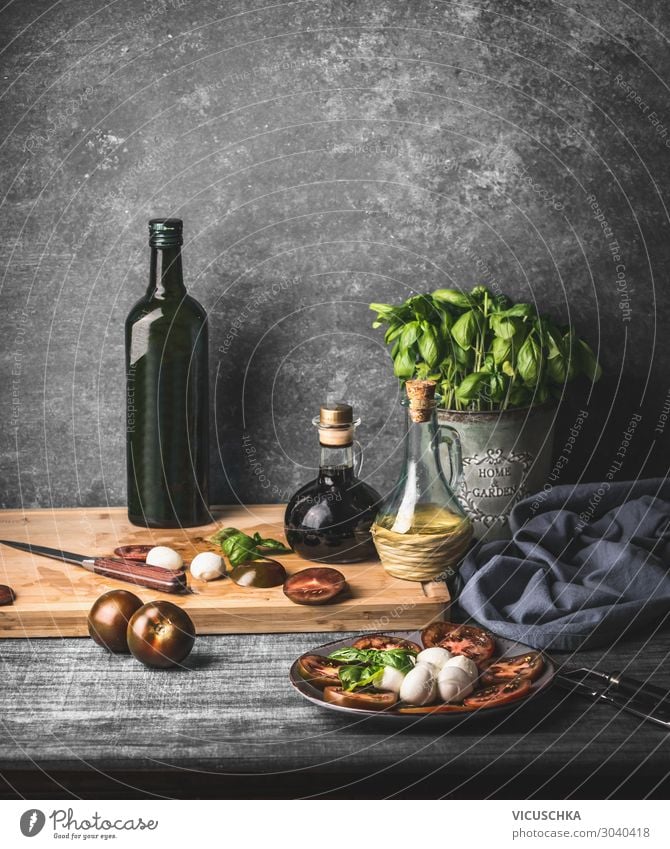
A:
(506, 456)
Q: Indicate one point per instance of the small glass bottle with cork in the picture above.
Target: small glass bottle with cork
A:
(328, 520)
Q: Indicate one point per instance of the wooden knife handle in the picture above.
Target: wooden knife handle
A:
(134, 572)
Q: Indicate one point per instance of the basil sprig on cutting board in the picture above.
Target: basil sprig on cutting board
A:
(241, 548)
(363, 667)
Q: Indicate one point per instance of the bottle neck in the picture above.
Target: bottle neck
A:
(420, 444)
(165, 277)
(336, 464)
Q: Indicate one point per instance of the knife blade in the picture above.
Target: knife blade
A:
(130, 571)
(647, 706)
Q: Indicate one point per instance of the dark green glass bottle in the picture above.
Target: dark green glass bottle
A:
(167, 404)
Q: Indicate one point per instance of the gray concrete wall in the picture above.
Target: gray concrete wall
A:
(356, 151)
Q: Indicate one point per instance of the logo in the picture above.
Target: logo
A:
(32, 822)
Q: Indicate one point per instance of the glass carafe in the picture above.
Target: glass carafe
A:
(328, 520)
(421, 531)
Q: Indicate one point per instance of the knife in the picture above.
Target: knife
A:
(131, 571)
(643, 700)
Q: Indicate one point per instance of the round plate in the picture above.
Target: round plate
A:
(505, 648)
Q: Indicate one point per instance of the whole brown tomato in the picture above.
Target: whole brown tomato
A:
(161, 634)
(108, 619)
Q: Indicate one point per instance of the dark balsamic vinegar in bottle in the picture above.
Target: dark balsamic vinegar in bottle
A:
(328, 520)
(167, 405)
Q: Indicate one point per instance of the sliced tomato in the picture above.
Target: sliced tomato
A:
(528, 665)
(498, 694)
(384, 642)
(432, 635)
(319, 670)
(316, 585)
(474, 643)
(362, 699)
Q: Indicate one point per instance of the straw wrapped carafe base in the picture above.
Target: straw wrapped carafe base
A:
(426, 549)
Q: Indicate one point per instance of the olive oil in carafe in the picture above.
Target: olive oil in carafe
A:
(421, 531)
(426, 519)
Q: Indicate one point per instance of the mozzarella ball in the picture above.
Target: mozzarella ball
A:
(449, 691)
(207, 566)
(460, 661)
(454, 685)
(435, 655)
(419, 686)
(391, 679)
(452, 673)
(166, 558)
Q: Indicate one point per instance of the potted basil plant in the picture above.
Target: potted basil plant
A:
(500, 368)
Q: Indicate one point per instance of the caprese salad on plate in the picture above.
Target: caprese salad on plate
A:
(447, 669)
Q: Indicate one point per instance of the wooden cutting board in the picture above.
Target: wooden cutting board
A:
(53, 599)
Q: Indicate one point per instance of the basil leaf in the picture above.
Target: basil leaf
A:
(349, 655)
(465, 329)
(468, 389)
(240, 548)
(502, 349)
(397, 658)
(480, 293)
(409, 334)
(570, 347)
(557, 370)
(403, 364)
(385, 312)
(355, 677)
(422, 306)
(519, 396)
(428, 347)
(349, 676)
(553, 341)
(393, 332)
(222, 534)
(273, 545)
(446, 323)
(529, 361)
(497, 387)
(587, 361)
(505, 328)
(519, 311)
(465, 359)
(453, 297)
(542, 394)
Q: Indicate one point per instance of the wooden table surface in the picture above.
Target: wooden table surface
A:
(78, 721)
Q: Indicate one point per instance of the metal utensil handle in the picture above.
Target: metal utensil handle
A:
(632, 687)
(134, 572)
(642, 713)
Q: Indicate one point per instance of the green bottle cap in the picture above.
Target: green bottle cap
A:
(165, 232)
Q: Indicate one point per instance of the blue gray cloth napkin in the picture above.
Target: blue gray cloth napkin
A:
(586, 565)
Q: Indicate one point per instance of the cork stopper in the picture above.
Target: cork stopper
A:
(336, 425)
(421, 394)
(336, 414)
